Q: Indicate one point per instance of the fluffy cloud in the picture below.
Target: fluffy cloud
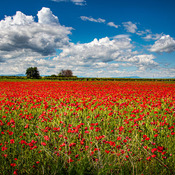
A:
(164, 44)
(152, 36)
(104, 50)
(81, 58)
(143, 62)
(45, 16)
(140, 33)
(112, 24)
(107, 54)
(21, 36)
(149, 35)
(99, 20)
(103, 58)
(130, 27)
(25, 43)
(76, 2)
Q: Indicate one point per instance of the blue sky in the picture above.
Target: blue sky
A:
(91, 37)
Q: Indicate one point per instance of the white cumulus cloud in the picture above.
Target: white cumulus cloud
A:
(21, 36)
(143, 61)
(104, 50)
(164, 44)
(45, 16)
(130, 27)
(152, 36)
(105, 53)
(112, 24)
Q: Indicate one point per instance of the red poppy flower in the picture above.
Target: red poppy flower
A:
(160, 148)
(119, 138)
(10, 133)
(46, 138)
(153, 155)
(70, 160)
(4, 148)
(107, 151)
(43, 143)
(13, 164)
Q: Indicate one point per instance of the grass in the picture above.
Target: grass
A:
(91, 127)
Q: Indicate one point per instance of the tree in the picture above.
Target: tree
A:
(32, 72)
(65, 73)
(53, 75)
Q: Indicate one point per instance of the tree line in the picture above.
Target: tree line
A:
(33, 72)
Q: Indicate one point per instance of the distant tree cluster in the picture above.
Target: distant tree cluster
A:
(65, 73)
(32, 72)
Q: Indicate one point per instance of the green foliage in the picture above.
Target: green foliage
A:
(65, 73)
(53, 75)
(75, 78)
(57, 114)
(32, 72)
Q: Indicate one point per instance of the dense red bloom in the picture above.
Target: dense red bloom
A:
(153, 155)
(4, 148)
(13, 164)
(119, 138)
(46, 138)
(153, 150)
(10, 133)
(155, 135)
(121, 128)
(78, 119)
(148, 158)
(72, 144)
(76, 156)
(86, 147)
(107, 151)
(27, 125)
(5, 155)
(12, 141)
(91, 153)
(124, 140)
(12, 121)
(70, 160)
(160, 148)
(15, 172)
(163, 153)
(43, 143)
(91, 128)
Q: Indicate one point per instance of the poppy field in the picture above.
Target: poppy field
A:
(87, 127)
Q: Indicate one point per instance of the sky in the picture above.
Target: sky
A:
(93, 38)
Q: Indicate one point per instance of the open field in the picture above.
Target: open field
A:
(87, 127)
